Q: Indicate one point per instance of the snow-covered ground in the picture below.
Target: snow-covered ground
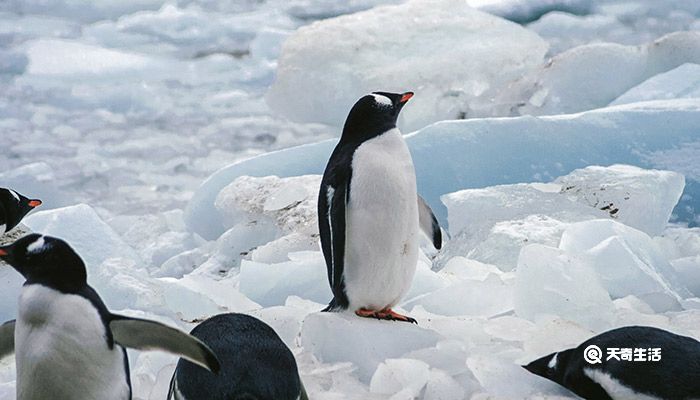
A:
(160, 137)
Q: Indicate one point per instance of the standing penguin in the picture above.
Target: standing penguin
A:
(590, 372)
(369, 211)
(13, 207)
(67, 344)
(255, 364)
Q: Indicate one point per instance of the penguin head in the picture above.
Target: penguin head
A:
(13, 207)
(373, 115)
(46, 260)
(552, 366)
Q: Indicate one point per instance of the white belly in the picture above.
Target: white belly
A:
(382, 223)
(61, 351)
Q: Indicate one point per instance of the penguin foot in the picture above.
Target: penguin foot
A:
(386, 314)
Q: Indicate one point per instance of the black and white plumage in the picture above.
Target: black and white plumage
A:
(255, 363)
(13, 207)
(67, 344)
(676, 376)
(369, 211)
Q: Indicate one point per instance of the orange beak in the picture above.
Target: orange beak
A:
(2, 253)
(406, 97)
(34, 203)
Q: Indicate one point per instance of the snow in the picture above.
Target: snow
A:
(118, 115)
(321, 73)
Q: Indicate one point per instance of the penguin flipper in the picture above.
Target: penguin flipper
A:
(143, 334)
(332, 206)
(7, 338)
(428, 223)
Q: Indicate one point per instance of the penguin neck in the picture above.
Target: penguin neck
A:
(66, 281)
(359, 130)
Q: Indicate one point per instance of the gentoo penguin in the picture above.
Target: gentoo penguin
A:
(675, 375)
(369, 211)
(13, 207)
(67, 344)
(255, 364)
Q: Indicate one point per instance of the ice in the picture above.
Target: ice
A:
(36, 180)
(81, 10)
(627, 262)
(593, 75)
(550, 281)
(333, 337)
(303, 276)
(290, 202)
(468, 298)
(485, 152)
(128, 106)
(321, 73)
(321, 9)
(490, 225)
(492, 370)
(524, 11)
(173, 28)
(12, 63)
(681, 82)
(642, 199)
(564, 31)
(85, 231)
(442, 386)
(688, 270)
(405, 376)
(64, 57)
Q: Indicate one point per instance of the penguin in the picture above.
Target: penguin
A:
(370, 213)
(676, 375)
(67, 344)
(13, 207)
(255, 364)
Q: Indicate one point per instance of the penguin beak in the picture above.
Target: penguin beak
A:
(406, 97)
(3, 252)
(34, 203)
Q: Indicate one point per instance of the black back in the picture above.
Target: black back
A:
(12, 210)
(675, 376)
(367, 119)
(255, 363)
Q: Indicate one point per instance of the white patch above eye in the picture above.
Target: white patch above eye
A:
(2, 229)
(14, 194)
(36, 246)
(382, 100)
(553, 362)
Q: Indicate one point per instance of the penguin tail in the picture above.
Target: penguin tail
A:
(333, 306)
